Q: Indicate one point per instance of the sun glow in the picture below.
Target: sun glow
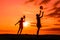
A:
(26, 24)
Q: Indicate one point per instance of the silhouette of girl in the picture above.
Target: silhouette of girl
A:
(20, 24)
(38, 18)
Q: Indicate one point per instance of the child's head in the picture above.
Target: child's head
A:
(37, 15)
(21, 18)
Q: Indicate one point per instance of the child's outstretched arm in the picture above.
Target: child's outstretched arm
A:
(17, 22)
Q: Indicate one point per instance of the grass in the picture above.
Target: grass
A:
(28, 37)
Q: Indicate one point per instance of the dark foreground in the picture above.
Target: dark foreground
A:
(28, 37)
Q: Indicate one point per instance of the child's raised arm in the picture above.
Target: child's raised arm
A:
(42, 14)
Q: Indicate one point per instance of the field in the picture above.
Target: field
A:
(28, 37)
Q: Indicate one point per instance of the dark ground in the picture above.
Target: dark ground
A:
(28, 37)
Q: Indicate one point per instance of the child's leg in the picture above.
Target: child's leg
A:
(38, 31)
(20, 30)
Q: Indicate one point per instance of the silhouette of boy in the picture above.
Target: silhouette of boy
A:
(20, 24)
(38, 16)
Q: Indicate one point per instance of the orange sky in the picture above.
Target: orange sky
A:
(12, 10)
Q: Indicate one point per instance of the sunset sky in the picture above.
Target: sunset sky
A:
(12, 10)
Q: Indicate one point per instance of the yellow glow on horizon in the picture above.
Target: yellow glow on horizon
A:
(26, 24)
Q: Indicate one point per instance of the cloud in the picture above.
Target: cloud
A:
(56, 13)
(58, 20)
(52, 29)
(33, 24)
(44, 2)
(57, 3)
(40, 1)
(29, 1)
(57, 24)
(4, 31)
(55, 29)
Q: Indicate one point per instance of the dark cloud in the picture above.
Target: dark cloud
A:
(4, 31)
(57, 24)
(57, 3)
(55, 29)
(58, 20)
(56, 13)
(52, 9)
(44, 2)
(52, 29)
(29, 1)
